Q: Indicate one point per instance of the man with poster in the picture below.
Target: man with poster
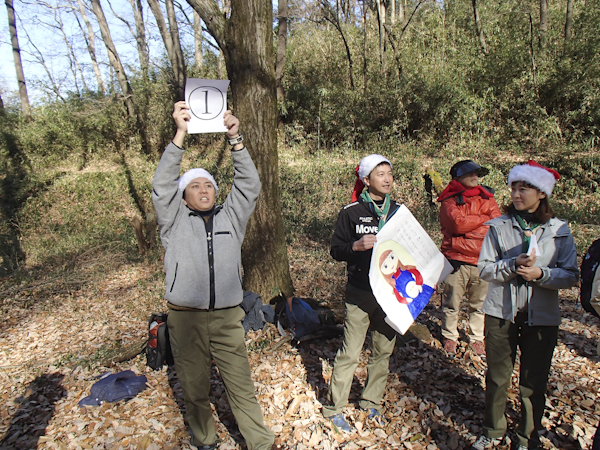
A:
(353, 241)
(203, 282)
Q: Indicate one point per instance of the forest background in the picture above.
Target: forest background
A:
(426, 83)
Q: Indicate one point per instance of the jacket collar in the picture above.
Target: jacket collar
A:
(212, 213)
(556, 226)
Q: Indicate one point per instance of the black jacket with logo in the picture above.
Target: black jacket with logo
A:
(354, 221)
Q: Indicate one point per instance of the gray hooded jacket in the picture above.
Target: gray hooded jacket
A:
(557, 259)
(203, 265)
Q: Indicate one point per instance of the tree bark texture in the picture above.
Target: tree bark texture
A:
(381, 13)
(568, 21)
(174, 31)
(401, 11)
(281, 48)
(246, 39)
(479, 27)
(12, 27)
(198, 61)
(543, 23)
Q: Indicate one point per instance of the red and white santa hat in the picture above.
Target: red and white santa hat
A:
(534, 174)
(364, 169)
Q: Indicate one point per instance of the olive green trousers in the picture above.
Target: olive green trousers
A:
(536, 344)
(362, 312)
(197, 338)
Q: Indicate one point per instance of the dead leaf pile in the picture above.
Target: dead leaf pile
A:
(52, 339)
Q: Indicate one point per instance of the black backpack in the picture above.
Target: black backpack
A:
(589, 264)
(158, 348)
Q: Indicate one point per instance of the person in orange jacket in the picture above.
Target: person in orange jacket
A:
(465, 208)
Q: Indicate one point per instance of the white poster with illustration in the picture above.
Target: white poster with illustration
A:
(406, 267)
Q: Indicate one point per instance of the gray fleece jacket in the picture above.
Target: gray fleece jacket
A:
(203, 258)
(557, 259)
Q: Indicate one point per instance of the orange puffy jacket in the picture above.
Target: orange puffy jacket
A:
(462, 216)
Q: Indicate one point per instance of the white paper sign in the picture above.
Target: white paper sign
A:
(406, 266)
(533, 246)
(207, 100)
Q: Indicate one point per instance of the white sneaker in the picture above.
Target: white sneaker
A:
(484, 442)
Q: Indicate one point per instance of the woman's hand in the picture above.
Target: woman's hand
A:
(530, 273)
(525, 260)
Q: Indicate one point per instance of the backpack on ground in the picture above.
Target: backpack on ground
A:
(589, 265)
(301, 319)
(158, 348)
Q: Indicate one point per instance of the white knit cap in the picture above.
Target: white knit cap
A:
(536, 175)
(368, 163)
(192, 174)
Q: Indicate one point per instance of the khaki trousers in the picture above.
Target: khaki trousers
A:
(362, 312)
(197, 337)
(463, 282)
(536, 344)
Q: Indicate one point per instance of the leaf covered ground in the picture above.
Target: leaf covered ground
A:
(55, 331)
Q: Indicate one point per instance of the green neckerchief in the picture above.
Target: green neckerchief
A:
(528, 230)
(381, 212)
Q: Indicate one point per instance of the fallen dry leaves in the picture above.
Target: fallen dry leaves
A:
(51, 340)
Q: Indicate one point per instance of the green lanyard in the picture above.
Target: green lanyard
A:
(381, 212)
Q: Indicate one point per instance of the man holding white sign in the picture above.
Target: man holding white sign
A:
(203, 282)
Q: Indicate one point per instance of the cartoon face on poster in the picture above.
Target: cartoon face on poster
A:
(405, 268)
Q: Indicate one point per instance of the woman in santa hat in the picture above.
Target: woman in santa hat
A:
(527, 256)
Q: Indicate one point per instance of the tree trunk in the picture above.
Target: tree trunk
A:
(174, 31)
(568, 21)
(365, 49)
(479, 27)
(116, 64)
(90, 41)
(12, 27)
(172, 53)
(140, 36)
(393, 12)
(198, 61)
(401, 11)
(247, 42)
(381, 13)
(281, 48)
(332, 17)
(543, 23)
